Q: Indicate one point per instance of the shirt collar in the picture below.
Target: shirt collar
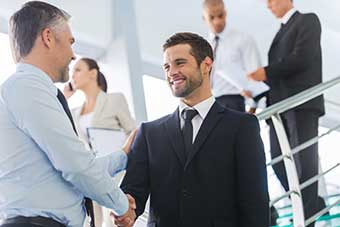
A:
(24, 67)
(202, 107)
(287, 16)
(221, 35)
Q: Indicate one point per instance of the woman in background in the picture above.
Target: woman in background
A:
(100, 109)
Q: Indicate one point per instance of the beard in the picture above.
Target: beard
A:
(190, 85)
(64, 75)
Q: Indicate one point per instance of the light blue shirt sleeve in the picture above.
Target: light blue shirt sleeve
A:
(39, 114)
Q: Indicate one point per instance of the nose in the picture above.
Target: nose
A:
(74, 57)
(173, 71)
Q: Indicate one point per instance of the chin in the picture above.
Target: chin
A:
(218, 30)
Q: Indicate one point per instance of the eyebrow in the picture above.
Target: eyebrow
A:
(176, 60)
(180, 59)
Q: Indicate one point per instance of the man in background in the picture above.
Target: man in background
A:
(294, 66)
(236, 55)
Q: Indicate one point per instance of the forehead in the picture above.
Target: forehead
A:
(65, 30)
(176, 52)
(214, 9)
(274, 1)
(80, 64)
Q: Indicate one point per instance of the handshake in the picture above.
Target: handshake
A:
(128, 219)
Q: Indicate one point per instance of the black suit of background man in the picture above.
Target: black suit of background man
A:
(294, 66)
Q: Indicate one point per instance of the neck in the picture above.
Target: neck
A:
(42, 64)
(200, 94)
(91, 94)
(287, 10)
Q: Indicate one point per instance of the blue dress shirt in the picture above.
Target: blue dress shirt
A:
(45, 170)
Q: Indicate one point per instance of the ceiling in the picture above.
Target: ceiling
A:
(95, 25)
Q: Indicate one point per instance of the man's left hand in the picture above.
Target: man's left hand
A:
(258, 75)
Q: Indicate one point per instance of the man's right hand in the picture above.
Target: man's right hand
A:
(128, 219)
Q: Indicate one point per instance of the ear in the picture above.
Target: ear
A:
(206, 65)
(93, 74)
(47, 37)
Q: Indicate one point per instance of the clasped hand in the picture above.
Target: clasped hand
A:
(128, 219)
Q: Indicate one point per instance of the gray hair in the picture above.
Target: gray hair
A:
(26, 24)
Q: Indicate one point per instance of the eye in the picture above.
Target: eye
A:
(180, 63)
(166, 68)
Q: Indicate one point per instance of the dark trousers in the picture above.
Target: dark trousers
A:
(38, 221)
(234, 102)
(300, 126)
(21, 225)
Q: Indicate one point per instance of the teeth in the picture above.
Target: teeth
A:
(177, 81)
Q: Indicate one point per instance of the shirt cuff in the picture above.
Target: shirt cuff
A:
(117, 163)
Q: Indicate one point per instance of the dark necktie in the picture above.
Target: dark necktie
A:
(88, 202)
(187, 130)
(216, 39)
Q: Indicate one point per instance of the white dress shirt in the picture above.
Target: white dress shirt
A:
(202, 109)
(236, 56)
(287, 16)
(45, 169)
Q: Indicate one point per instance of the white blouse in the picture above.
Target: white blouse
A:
(84, 123)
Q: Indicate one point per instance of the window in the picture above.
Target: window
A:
(158, 98)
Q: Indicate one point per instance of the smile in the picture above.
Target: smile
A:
(177, 80)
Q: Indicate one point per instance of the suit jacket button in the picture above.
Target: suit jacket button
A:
(185, 193)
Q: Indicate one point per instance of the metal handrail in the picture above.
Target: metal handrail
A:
(304, 184)
(320, 213)
(303, 145)
(274, 112)
(297, 99)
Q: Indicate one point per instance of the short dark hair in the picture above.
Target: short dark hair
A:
(200, 48)
(207, 3)
(26, 24)
(92, 64)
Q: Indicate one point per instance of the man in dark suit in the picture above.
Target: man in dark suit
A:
(294, 66)
(202, 165)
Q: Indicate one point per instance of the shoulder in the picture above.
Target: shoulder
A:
(155, 124)
(308, 17)
(239, 119)
(116, 96)
(25, 85)
(242, 37)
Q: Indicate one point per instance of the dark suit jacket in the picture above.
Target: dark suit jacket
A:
(295, 60)
(222, 182)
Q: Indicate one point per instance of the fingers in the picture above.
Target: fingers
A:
(129, 141)
(132, 202)
(128, 219)
(68, 90)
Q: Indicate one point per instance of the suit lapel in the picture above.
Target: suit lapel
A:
(100, 104)
(173, 130)
(283, 29)
(209, 123)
